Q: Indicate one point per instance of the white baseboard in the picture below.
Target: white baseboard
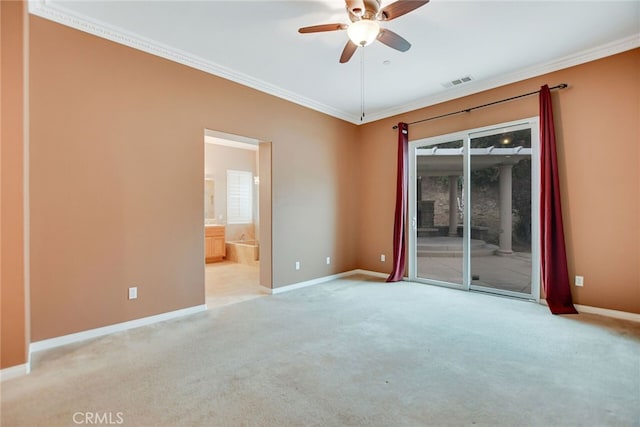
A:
(616, 314)
(325, 279)
(624, 315)
(14, 372)
(118, 327)
(312, 282)
(50, 343)
(371, 273)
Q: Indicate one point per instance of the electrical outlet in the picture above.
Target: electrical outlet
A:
(133, 292)
(328, 260)
(297, 265)
(382, 258)
(579, 281)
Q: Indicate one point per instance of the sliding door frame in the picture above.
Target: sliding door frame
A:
(466, 136)
(413, 209)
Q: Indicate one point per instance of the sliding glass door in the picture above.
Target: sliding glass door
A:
(473, 204)
(439, 213)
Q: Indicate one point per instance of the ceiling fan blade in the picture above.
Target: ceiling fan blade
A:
(393, 40)
(322, 28)
(399, 8)
(349, 49)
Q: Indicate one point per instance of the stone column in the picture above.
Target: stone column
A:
(453, 205)
(506, 216)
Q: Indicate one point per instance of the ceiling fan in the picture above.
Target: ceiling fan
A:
(364, 27)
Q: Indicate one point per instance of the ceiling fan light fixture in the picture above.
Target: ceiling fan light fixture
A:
(363, 32)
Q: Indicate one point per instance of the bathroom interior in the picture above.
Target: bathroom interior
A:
(231, 229)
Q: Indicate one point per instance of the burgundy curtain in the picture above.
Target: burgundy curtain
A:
(555, 274)
(399, 225)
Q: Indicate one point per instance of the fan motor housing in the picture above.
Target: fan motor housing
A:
(362, 9)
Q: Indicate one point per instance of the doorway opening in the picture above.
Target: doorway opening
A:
(237, 218)
(474, 199)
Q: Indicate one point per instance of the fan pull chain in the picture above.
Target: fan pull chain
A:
(361, 83)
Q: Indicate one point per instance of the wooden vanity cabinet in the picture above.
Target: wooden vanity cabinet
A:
(214, 244)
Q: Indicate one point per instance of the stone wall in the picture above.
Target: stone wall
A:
(485, 204)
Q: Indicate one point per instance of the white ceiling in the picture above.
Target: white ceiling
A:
(257, 44)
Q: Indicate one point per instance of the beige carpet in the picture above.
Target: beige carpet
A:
(352, 352)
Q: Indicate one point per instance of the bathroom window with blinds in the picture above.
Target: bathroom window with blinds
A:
(239, 197)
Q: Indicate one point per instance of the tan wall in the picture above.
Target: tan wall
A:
(597, 127)
(265, 215)
(12, 225)
(117, 180)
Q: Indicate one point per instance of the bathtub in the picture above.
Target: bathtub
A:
(243, 251)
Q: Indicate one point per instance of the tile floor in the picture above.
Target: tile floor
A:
(229, 282)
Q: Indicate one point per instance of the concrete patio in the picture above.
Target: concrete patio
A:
(440, 258)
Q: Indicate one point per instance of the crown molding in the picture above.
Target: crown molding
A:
(59, 14)
(578, 58)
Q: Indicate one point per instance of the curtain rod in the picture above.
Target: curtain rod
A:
(467, 110)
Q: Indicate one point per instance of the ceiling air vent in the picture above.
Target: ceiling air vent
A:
(458, 81)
